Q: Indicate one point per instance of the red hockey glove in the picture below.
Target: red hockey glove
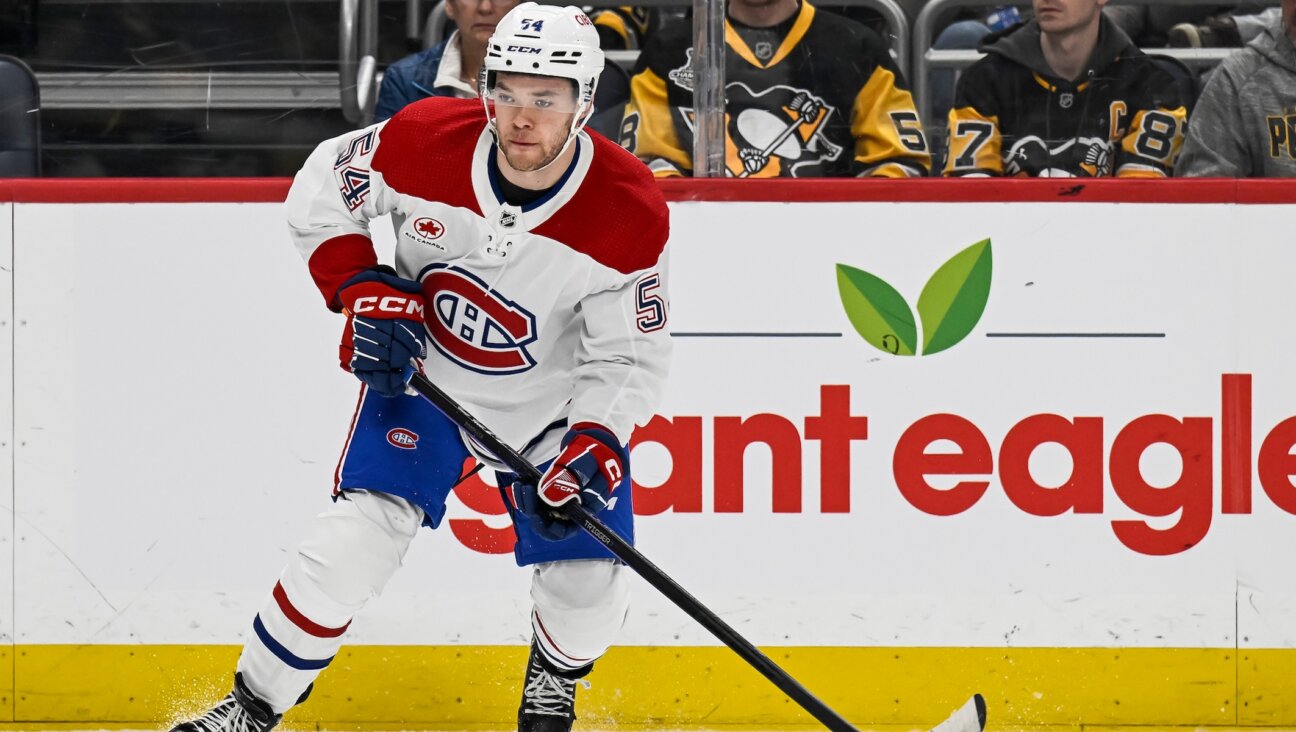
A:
(383, 340)
(590, 467)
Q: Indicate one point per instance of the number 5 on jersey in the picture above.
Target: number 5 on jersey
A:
(650, 308)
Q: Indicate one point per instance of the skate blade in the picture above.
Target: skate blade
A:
(971, 717)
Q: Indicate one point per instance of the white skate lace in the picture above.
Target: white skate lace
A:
(546, 693)
(228, 716)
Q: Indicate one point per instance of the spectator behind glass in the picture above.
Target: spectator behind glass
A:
(808, 93)
(964, 33)
(625, 28)
(1066, 94)
(448, 69)
(1245, 122)
(1225, 30)
(1149, 24)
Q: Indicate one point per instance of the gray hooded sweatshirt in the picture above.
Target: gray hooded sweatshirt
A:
(1244, 125)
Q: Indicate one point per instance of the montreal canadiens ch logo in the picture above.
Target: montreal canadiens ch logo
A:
(474, 326)
(402, 438)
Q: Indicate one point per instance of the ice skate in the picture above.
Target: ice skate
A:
(548, 700)
(239, 711)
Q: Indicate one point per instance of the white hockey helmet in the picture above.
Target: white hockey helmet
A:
(545, 40)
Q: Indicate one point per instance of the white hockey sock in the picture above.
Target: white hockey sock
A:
(351, 552)
(580, 605)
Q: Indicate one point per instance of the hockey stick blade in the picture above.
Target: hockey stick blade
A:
(971, 717)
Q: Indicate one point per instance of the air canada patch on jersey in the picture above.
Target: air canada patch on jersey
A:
(426, 231)
(475, 326)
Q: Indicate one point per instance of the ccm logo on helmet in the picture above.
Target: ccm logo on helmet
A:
(475, 326)
(524, 49)
(403, 438)
(389, 304)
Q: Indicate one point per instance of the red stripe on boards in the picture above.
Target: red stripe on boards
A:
(971, 190)
(301, 621)
(823, 190)
(1267, 190)
(144, 190)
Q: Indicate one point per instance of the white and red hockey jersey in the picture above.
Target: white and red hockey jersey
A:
(556, 309)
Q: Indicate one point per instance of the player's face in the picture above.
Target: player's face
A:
(476, 19)
(533, 115)
(1289, 18)
(1065, 16)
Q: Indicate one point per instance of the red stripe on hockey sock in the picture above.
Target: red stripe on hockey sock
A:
(301, 621)
(346, 446)
(578, 662)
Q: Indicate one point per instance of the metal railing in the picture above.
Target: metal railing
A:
(925, 58)
(709, 99)
(185, 90)
(358, 79)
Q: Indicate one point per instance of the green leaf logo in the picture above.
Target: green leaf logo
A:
(877, 311)
(953, 299)
(949, 307)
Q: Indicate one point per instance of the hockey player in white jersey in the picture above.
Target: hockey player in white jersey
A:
(529, 283)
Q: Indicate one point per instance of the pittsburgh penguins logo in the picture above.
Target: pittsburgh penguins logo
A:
(1078, 157)
(777, 132)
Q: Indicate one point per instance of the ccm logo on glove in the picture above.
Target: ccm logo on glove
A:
(383, 340)
(389, 304)
(590, 466)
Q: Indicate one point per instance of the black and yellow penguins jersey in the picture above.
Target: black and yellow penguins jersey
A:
(1125, 116)
(625, 27)
(816, 96)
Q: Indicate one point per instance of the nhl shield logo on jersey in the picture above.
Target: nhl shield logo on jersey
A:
(475, 326)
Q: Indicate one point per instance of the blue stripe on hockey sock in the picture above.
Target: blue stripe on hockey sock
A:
(285, 655)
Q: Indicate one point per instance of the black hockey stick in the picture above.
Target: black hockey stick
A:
(968, 718)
